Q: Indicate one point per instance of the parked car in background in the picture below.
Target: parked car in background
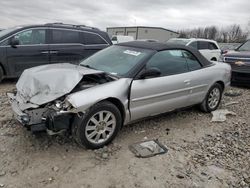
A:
(239, 59)
(208, 48)
(121, 38)
(29, 46)
(116, 86)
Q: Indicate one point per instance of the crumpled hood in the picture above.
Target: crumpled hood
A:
(42, 84)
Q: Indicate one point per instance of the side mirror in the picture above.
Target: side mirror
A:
(14, 42)
(149, 73)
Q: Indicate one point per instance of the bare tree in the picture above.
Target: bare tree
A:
(233, 33)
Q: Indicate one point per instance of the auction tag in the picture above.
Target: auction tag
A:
(131, 52)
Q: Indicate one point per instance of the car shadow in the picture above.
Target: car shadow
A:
(9, 81)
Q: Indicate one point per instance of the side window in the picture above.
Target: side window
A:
(203, 45)
(90, 38)
(169, 62)
(194, 45)
(192, 62)
(34, 36)
(65, 36)
(5, 43)
(212, 46)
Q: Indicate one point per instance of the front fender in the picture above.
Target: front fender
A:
(119, 89)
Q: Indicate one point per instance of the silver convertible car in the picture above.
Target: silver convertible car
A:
(116, 86)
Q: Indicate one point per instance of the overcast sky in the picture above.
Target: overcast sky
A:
(170, 14)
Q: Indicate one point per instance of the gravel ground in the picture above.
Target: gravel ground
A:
(200, 153)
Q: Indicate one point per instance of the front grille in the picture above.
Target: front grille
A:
(241, 77)
(242, 68)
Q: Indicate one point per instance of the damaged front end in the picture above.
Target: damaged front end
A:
(41, 104)
(54, 116)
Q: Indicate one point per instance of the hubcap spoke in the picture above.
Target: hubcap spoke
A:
(97, 137)
(104, 135)
(91, 135)
(94, 121)
(90, 128)
(100, 116)
(109, 129)
(107, 117)
(110, 122)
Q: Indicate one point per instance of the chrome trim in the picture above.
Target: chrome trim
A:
(237, 58)
(79, 44)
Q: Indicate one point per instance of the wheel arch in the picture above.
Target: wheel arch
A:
(4, 71)
(213, 59)
(222, 84)
(119, 105)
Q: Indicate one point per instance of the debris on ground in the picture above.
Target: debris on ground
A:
(106, 152)
(231, 103)
(226, 151)
(147, 148)
(232, 93)
(220, 115)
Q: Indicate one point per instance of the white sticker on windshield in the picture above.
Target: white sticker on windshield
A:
(131, 52)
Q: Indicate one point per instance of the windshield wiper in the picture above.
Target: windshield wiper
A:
(87, 66)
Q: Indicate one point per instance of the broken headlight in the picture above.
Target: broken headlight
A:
(62, 105)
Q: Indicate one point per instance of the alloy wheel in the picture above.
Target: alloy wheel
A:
(100, 127)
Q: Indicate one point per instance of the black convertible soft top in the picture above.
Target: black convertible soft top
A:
(157, 46)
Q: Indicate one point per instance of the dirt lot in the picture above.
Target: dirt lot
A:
(200, 153)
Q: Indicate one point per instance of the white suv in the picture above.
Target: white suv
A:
(208, 48)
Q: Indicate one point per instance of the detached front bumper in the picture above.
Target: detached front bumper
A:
(40, 119)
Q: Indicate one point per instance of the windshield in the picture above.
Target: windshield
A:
(245, 46)
(179, 41)
(116, 60)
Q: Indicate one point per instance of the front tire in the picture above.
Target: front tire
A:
(213, 98)
(98, 126)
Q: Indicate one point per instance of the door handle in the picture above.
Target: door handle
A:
(187, 82)
(44, 52)
(53, 52)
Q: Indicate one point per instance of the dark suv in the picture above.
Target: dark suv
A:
(29, 46)
(239, 59)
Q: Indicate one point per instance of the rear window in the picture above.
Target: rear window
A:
(65, 36)
(212, 46)
(91, 38)
(203, 45)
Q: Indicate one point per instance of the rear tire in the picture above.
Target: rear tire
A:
(98, 126)
(213, 98)
(1, 74)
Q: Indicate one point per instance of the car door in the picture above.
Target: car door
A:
(169, 91)
(200, 78)
(65, 46)
(31, 50)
